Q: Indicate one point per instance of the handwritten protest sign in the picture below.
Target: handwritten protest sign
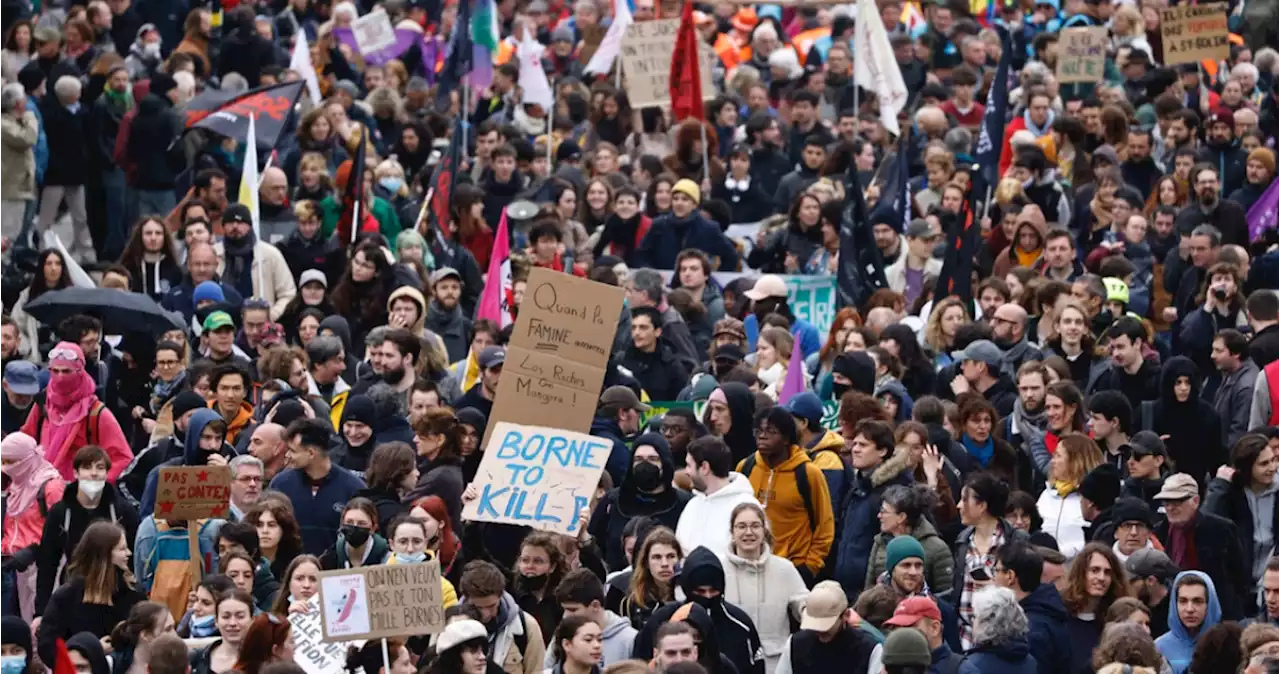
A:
(193, 492)
(373, 32)
(559, 348)
(314, 655)
(537, 476)
(1082, 54)
(1192, 33)
(646, 54)
(376, 602)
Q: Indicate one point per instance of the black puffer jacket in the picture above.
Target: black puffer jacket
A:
(67, 132)
(153, 155)
(627, 501)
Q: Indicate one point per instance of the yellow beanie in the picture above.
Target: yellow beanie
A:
(688, 188)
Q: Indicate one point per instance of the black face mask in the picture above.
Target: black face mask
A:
(838, 390)
(646, 476)
(355, 535)
(707, 602)
(532, 583)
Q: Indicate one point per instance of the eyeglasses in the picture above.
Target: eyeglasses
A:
(249, 479)
(748, 526)
(168, 363)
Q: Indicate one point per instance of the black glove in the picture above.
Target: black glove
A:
(20, 560)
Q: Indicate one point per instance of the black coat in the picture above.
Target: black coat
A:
(67, 614)
(154, 156)
(660, 373)
(1228, 501)
(1219, 556)
(68, 135)
(58, 541)
(247, 53)
(1265, 346)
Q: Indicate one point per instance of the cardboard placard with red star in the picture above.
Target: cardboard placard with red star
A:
(193, 493)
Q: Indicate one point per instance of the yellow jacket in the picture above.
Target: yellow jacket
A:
(776, 489)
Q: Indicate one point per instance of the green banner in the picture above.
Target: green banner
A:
(830, 411)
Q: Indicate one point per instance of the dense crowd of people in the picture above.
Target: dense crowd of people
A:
(1034, 432)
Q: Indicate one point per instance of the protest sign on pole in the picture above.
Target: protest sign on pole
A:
(1082, 54)
(310, 651)
(1193, 33)
(537, 477)
(559, 348)
(646, 62)
(193, 493)
(373, 31)
(377, 602)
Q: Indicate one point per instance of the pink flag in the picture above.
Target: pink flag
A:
(495, 303)
(794, 383)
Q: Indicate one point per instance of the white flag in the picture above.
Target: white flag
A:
(300, 62)
(875, 68)
(533, 82)
(248, 194)
(611, 44)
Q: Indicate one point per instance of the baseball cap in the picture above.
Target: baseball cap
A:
(218, 320)
(444, 273)
(920, 229)
(905, 647)
(23, 377)
(807, 406)
(237, 213)
(824, 607)
(622, 397)
(911, 610)
(731, 352)
(769, 285)
(568, 150)
(983, 351)
(313, 276)
(1146, 443)
(1150, 562)
(1177, 487)
(492, 356)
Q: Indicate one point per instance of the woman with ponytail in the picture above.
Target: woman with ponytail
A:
(369, 658)
(131, 639)
(233, 614)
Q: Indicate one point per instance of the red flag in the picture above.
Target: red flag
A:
(685, 78)
(62, 663)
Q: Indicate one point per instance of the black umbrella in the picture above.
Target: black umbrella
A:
(120, 312)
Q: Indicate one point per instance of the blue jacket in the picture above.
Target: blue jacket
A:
(669, 235)
(1176, 645)
(619, 461)
(319, 514)
(41, 150)
(1047, 631)
(1008, 657)
(806, 335)
(191, 456)
(858, 524)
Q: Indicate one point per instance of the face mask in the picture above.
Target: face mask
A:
(355, 535)
(707, 602)
(151, 50)
(646, 476)
(532, 583)
(92, 488)
(391, 184)
(205, 621)
(12, 664)
(411, 559)
(65, 384)
(839, 390)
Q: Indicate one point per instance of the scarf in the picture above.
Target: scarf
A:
(120, 99)
(1022, 421)
(68, 400)
(980, 451)
(1038, 130)
(239, 261)
(620, 234)
(1063, 487)
(29, 473)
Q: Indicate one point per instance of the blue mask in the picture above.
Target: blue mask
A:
(411, 559)
(391, 184)
(205, 621)
(13, 664)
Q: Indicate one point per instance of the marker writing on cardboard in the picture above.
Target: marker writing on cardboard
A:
(526, 496)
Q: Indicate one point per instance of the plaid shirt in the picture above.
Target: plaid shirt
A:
(973, 561)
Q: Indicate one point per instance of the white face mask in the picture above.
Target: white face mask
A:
(92, 488)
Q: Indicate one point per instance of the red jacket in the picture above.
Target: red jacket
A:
(1006, 151)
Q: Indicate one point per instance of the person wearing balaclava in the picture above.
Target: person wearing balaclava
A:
(72, 416)
(702, 579)
(204, 446)
(89, 499)
(33, 484)
(358, 420)
(1191, 428)
(853, 371)
(729, 414)
(646, 491)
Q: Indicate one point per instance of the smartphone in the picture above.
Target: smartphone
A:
(980, 574)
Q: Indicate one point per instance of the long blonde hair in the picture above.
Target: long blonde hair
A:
(933, 336)
(782, 342)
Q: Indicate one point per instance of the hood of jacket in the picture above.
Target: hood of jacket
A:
(1178, 366)
(732, 492)
(1178, 633)
(742, 406)
(830, 440)
(341, 328)
(895, 388)
(87, 644)
(893, 468)
(191, 455)
(414, 294)
(702, 568)
(616, 626)
(1045, 601)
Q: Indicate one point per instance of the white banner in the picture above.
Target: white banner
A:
(313, 655)
(874, 66)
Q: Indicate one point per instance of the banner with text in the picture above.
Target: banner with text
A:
(646, 62)
(812, 298)
(314, 655)
(1193, 33)
(1082, 54)
(538, 477)
(377, 602)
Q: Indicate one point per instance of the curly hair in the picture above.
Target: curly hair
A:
(1127, 644)
(1076, 596)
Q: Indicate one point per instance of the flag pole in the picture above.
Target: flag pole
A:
(551, 116)
(706, 162)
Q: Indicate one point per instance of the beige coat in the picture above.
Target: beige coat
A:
(17, 155)
(272, 280)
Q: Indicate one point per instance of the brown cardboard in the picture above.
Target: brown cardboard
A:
(377, 602)
(542, 390)
(1082, 54)
(193, 493)
(1193, 33)
(645, 58)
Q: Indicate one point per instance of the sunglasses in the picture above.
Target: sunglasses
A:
(64, 354)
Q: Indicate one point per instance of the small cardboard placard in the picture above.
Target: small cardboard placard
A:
(537, 477)
(646, 53)
(373, 32)
(1193, 33)
(377, 602)
(193, 492)
(1082, 54)
(310, 651)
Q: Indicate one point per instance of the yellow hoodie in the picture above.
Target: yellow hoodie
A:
(775, 489)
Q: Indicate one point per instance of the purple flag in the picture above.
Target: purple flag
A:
(1262, 215)
(794, 383)
(405, 39)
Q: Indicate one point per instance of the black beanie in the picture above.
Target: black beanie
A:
(859, 368)
(186, 401)
(359, 408)
(162, 84)
(16, 631)
(1131, 509)
(1101, 485)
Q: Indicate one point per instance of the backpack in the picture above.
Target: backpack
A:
(802, 486)
(91, 433)
(167, 572)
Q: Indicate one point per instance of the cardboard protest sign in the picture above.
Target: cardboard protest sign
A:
(193, 492)
(646, 62)
(310, 651)
(373, 31)
(537, 476)
(1082, 54)
(1193, 33)
(377, 602)
(545, 390)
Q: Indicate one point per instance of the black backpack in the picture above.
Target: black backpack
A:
(802, 486)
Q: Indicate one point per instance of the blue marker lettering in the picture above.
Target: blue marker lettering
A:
(510, 441)
(533, 475)
(541, 516)
(533, 447)
(516, 469)
(485, 506)
(519, 507)
(578, 503)
(556, 448)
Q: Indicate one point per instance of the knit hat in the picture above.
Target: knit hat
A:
(562, 33)
(859, 368)
(902, 548)
(1101, 485)
(185, 402)
(208, 291)
(162, 84)
(717, 396)
(1265, 157)
(688, 188)
(17, 632)
(359, 408)
(1131, 509)
(906, 646)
